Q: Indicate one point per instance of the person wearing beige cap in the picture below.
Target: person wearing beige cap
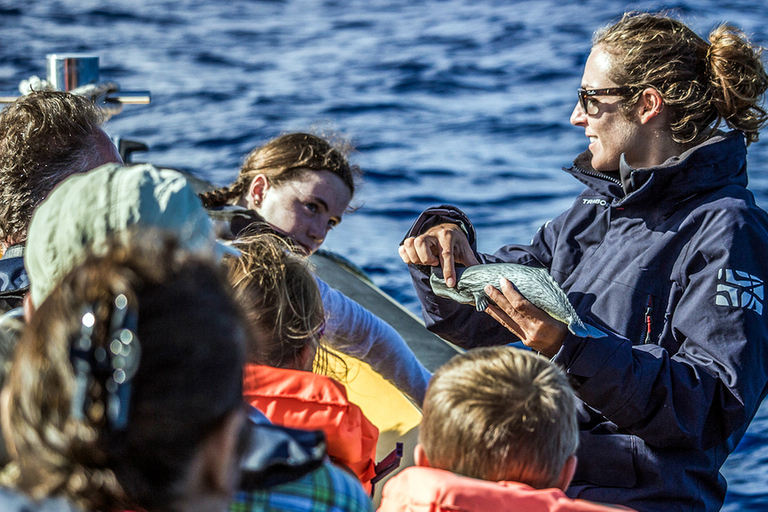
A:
(87, 210)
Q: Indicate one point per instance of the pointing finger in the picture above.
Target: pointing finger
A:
(449, 271)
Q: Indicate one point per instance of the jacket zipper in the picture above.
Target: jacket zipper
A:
(600, 176)
(648, 311)
(649, 306)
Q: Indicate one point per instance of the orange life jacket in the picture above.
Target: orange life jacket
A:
(305, 400)
(421, 489)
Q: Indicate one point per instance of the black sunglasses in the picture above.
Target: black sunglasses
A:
(589, 104)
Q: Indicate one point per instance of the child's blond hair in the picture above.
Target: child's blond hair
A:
(500, 413)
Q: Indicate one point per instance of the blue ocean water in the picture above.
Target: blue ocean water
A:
(447, 101)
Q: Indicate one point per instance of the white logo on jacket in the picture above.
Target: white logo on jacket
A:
(740, 290)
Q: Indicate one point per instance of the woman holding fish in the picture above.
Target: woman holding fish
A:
(664, 252)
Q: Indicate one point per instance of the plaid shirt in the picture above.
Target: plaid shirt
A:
(326, 489)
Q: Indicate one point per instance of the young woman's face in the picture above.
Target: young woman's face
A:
(306, 208)
(610, 132)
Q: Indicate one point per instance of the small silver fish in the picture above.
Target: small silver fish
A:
(535, 284)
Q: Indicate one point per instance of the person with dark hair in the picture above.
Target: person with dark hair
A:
(126, 387)
(664, 251)
(301, 185)
(113, 205)
(44, 138)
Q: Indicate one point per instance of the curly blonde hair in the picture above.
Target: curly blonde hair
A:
(282, 303)
(44, 137)
(702, 83)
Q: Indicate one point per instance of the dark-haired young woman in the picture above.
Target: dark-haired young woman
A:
(302, 184)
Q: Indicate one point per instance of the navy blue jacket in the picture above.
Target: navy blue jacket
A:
(14, 282)
(671, 261)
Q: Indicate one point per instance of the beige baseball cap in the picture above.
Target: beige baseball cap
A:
(86, 210)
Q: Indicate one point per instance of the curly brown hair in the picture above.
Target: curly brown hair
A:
(44, 137)
(702, 83)
(189, 378)
(286, 158)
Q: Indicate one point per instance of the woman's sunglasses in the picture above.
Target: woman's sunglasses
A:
(589, 103)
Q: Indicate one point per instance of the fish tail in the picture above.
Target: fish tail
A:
(482, 302)
(585, 330)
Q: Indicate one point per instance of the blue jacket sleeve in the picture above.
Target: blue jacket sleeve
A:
(462, 324)
(709, 388)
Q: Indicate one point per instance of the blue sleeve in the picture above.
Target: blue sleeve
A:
(710, 387)
(462, 324)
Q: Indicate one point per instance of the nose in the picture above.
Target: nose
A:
(318, 228)
(578, 116)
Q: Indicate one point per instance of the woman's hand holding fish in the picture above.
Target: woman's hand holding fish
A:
(535, 328)
(443, 245)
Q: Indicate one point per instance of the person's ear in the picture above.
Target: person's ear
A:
(257, 190)
(29, 307)
(220, 454)
(650, 104)
(420, 457)
(566, 474)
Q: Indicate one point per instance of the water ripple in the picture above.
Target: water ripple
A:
(447, 101)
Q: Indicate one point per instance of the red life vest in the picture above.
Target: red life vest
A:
(421, 489)
(306, 400)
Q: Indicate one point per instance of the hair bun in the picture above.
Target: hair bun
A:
(738, 79)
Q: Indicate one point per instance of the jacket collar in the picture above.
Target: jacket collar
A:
(713, 164)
